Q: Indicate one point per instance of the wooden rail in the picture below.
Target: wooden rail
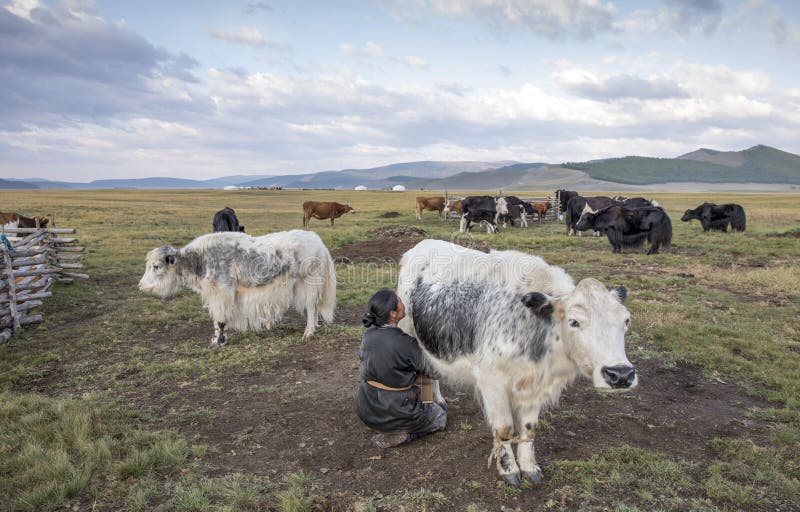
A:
(36, 259)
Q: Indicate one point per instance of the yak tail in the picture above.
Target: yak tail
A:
(738, 219)
(661, 234)
(328, 303)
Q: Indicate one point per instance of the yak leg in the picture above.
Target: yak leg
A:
(311, 315)
(462, 227)
(220, 338)
(331, 221)
(497, 405)
(526, 455)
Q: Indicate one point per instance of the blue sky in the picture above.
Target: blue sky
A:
(203, 89)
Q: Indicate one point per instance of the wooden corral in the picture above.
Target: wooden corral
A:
(29, 265)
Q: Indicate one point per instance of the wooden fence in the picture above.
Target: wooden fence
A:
(30, 263)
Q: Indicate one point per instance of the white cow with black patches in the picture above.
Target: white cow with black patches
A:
(517, 329)
(248, 282)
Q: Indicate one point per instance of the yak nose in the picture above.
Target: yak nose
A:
(619, 376)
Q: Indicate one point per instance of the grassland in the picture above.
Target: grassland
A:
(115, 404)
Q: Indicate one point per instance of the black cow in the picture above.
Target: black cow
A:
(635, 202)
(481, 209)
(563, 197)
(626, 227)
(226, 220)
(577, 206)
(717, 217)
(514, 200)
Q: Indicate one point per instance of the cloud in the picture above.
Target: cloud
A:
(251, 8)
(373, 50)
(589, 84)
(555, 19)
(504, 70)
(244, 35)
(685, 15)
(677, 18)
(60, 66)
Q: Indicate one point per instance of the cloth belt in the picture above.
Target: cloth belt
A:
(376, 384)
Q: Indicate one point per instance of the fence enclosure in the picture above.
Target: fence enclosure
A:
(30, 263)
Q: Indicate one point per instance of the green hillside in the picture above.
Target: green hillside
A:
(759, 164)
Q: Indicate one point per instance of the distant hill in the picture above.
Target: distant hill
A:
(759, 164)
(494, 179)
(7, 184)
(376, 177)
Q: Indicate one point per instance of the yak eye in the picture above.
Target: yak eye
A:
(156, 267)
(574, 323)
(627, 322)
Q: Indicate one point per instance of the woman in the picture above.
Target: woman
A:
(387, 399)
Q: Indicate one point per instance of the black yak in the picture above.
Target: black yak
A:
(630, 227)
(717, 217)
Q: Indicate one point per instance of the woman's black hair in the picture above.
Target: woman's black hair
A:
(380, 305)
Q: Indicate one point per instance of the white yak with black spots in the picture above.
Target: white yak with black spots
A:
(248, 282)
(517, 329)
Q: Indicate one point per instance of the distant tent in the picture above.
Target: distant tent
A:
(398, 188)
(231, 187)
(360, 187)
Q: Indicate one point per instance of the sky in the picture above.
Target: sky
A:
(200, 89)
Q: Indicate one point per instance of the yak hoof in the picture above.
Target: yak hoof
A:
(534, 476)
(213, 345)
(512, 479)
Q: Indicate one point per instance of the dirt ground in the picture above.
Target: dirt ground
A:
(303, 418)
(390, 243)
(307, 424)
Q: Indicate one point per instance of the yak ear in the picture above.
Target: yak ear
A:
(621, 292)
(539, 303)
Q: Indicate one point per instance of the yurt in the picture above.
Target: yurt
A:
(360, 187)
(398, 188)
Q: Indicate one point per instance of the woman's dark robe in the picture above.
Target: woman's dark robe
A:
(393, 358)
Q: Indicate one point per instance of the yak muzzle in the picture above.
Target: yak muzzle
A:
(619, 377)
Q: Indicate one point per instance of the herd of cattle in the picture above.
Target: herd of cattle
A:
(626, 222)
(516, 328)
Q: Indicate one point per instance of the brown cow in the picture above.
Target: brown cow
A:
(453, 206)
(541, 210)
(433, 204)
(15, 220)
(324, 210)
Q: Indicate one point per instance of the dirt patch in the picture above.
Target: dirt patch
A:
(388, 244)
(795, 233)
(390, 215)
(296, 414)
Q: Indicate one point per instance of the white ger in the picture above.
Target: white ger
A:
(248, 282)
(517, 329)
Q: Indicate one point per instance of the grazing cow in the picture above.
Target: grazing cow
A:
(324, 210)
(541, 210)
(563, 197)
(514, 200)
(518, 330)
(248, 282)
(454, 205)
(484, 209)
(15, 220)
(516, 212)
(635, 202)
(578, 205)
(630, 227)
(434, 204)
(226, 220)
(717, 217)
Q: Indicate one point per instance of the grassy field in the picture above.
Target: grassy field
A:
(114, 403)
